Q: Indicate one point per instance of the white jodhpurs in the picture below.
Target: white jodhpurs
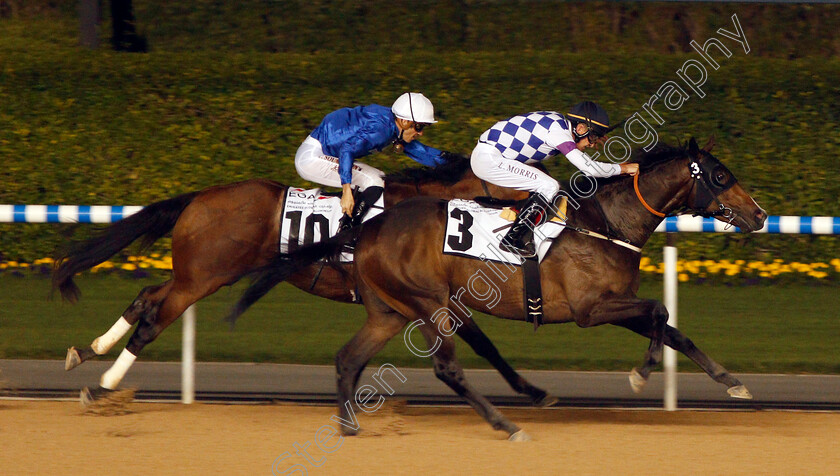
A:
(490, 165)
(313, 165)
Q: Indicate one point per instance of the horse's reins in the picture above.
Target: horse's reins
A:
(593, 234)
(584, 231)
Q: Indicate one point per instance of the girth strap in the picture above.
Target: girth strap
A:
(486, 189)
(533, 291)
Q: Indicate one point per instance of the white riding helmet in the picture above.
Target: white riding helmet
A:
(414, 107)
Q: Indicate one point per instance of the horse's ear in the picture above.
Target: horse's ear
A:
(710, 144)
(693, 149)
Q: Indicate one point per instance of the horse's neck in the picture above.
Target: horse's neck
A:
(397, 192)
(468, 187)
(665, 189)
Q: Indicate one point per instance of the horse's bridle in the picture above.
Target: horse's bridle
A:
(704, 175)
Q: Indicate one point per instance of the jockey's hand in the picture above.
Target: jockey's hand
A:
(347, 201)
(629, 169)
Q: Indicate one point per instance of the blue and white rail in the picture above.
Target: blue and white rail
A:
(799, 225)
(795, 225)
(65, 213)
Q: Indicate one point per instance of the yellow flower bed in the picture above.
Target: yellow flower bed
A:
(154, 261)
(687, 269)
(742, 268)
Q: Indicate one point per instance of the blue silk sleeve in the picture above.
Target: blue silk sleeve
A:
(424, 154)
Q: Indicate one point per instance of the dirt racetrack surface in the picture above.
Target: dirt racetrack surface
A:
(41, 437)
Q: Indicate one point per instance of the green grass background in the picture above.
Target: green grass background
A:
(746, 329)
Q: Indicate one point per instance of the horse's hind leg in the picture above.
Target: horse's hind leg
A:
(382, 324)
(450, 372)
(442, 347)
(146, 302)
(481, 344)
(177, 300)
(676, 340)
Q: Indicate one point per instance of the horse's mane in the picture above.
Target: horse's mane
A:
(660, 154)
(447, 173)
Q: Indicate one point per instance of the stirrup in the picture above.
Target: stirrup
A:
(349, 247)
(344, 223)
(526, 250)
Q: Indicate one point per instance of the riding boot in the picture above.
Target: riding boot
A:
(367, 199)
(520, 237)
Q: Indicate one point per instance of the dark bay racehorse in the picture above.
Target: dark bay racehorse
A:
(404, 278)
(222, 233)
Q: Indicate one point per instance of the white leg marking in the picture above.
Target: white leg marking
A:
(115, 374)
(102, 344)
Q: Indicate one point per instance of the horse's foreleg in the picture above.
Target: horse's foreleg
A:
(481, 344)
(143, 304)
(676, 340)
(651, 312)
(382, 324)
(679, 342)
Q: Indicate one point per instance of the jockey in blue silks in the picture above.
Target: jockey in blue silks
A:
(328, 156)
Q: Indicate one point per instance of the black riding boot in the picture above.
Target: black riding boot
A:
(366, 200)
(520, 237)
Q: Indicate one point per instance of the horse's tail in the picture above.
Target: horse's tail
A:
(152, 222)
(283, 265)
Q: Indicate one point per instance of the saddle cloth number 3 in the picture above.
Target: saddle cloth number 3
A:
(473, 231)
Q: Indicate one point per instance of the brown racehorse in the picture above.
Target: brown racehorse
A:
(221, 234)
(404, 278)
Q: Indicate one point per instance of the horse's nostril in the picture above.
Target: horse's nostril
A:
(760, 215)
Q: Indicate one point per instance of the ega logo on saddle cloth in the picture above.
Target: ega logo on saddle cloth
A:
(474, 231)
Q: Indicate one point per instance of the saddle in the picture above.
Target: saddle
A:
(510, 207)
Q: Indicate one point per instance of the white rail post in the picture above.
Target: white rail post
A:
(670, 357)
(188, 356)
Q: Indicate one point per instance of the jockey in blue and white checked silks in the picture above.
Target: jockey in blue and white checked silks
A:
(505, 152)
(328, 156)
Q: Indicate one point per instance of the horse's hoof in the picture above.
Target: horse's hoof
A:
(519, 436)
(349, 431)
(86, 397)
(73, 359)
(637, 382)
(547, 401)
(739, 391)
